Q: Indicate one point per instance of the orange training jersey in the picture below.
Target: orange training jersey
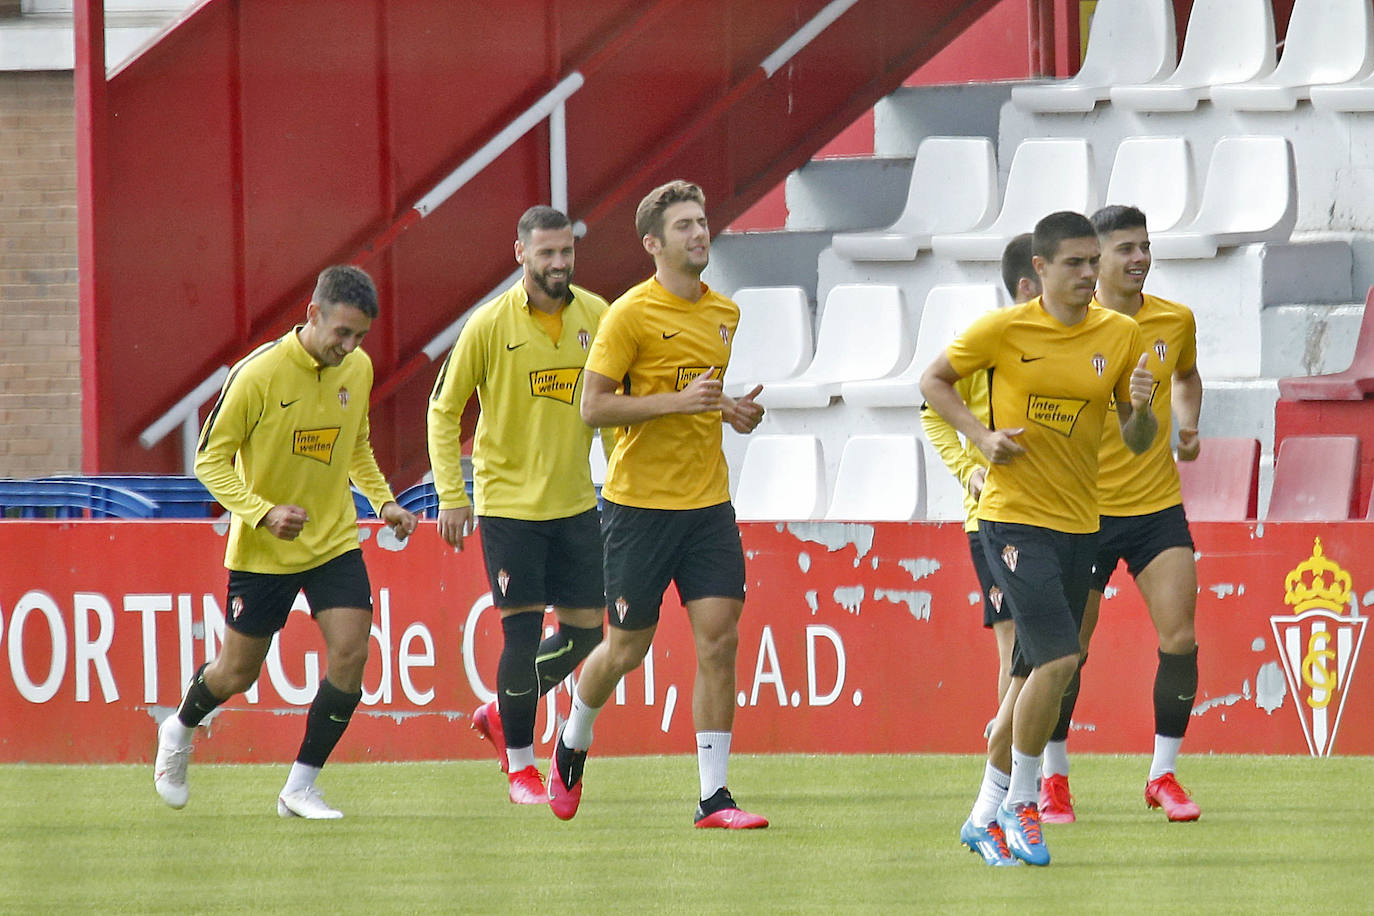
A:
(1132, 484)
(653, 342)
(1054, 381)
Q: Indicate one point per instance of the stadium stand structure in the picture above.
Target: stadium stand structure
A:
(1046, 175)
(71, 499)
(1328, 42)
(1222, 484)
(953, 189)
(1228, 41)
(880, 478)
(1314, 479)
(863, 334)
(782, 479)
(773, 339)
(1132, 42)
(1275, 299)
(174, 496)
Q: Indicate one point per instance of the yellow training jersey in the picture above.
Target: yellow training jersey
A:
(288, 431)
(961, 456)
(1131, 484)
(1054, 381)
(529, 456)
(654, 342)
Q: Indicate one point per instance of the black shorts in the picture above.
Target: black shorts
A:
(992, 613)
(1043, 576)
(698, 549)
(259, 603)
(534, 564)
(1137, 539)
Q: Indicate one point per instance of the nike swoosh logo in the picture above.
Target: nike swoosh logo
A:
(515, 346)
(334, 718)
(1030, 359)
(520, 693)
(288, 403)
(705, 747)
(1188, 699)
(667, 336)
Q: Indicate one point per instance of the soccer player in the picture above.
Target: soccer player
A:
(1056, 363)
(1141, 510)
(524, 353)
(968, 465)
(278, 450)
(655, 372)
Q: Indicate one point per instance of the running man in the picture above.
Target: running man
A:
(278, 450)
(1056, 362)
(655, 372)
(970, 467)
(1142, 519)
(523, 353)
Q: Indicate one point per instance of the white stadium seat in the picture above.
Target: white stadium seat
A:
(1328, 41)
(944, 492)
(1156, 175)
(881, 478)
(863, 335)
(773, 339)
(1046, 175)
(1250, 195)
(1228, 41)
(948, 311)
(782, 479)
(953, 189)
(1129, 42)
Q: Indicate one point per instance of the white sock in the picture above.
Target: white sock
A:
(1166, 756)
(1056, 759)
(176, 732)
(713, 760)
(1025, 771)
(990, 795)
(517, 758)
(302, 776)
(577, 734)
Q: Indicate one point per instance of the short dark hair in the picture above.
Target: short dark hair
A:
(1055, 228)
(540, 217)
(1016, 263)
(1115, 217)
(345, 284)
(649, 213)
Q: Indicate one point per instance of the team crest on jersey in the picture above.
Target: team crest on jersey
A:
(558, 384)
(502, 580)
(622, 607)
(1010, 554)
(315, 443)
(584, 337)
(343, 397)
(995, 594)
(1161, 349)
(725, 335)
(1058, 414)
(236, 607)
(1099, 364)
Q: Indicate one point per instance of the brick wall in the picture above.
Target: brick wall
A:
(40, 354)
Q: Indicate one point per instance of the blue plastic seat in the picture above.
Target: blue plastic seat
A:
(420, 499)
(175, 496)
(71, 499)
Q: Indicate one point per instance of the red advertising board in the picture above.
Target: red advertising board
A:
(855, 638)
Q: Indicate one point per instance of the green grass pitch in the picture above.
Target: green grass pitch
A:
(849, 834)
